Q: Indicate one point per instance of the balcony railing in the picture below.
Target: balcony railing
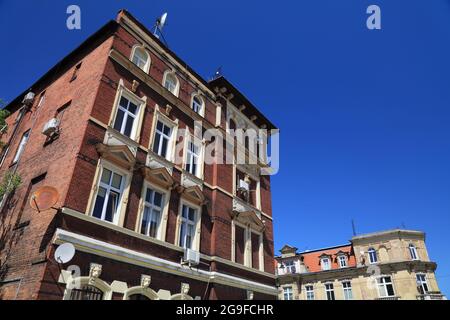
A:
(388, 298)
(431, 296)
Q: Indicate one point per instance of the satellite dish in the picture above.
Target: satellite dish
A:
(162, 21)
(64, 253)
(44, 198)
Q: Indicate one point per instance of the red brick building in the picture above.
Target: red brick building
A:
(130, 210)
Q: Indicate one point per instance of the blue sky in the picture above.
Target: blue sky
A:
(364, 114)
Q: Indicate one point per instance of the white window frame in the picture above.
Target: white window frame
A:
(21, 147)
(330, 290)
(146, 66)
(309, 292)
(413, 252)
(176, 89)
(109, 188)
(159, 117)
(422, 282)
(291, 267)
(343, 261)
(124, 196)
(161, 233)
(188, 154)
(202, 105)
(347, 289)
(248, 250)
(288, 293)
(383, 284)
(141, 103)
(373, 255)
(322, 263)
(195, 245)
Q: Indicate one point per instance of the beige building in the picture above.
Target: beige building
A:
(388, 265)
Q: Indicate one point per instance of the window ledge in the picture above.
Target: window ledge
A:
(155, 161)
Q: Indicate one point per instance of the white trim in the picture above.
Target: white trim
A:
(107, 250)
(158, 116)
(176, 90)
(146, 67)
(195, 245)
(79, 282)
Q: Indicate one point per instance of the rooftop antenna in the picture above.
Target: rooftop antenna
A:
(354, 228)
(218, 73)
(159, 25)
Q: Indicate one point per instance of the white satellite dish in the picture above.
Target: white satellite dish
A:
(162, 21)
(64, 253)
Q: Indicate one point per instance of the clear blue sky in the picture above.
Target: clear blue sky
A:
(364, 114)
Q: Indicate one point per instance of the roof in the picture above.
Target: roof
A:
(388, 232)
(239, 99)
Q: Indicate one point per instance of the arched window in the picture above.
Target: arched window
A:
(197, 104)
(86, 292)
(171, 83)
(413, 252)
(141, 58)
(138, 297)
(373, 258)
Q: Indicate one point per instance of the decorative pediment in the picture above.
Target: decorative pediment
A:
(341, 253)
(120, 155)
(160, 176)
(193, 194)
(287, 250)
(249, 218)
(325, 255)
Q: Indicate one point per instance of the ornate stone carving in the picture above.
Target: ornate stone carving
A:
(146, 281)
(95, 272)
(185, 287)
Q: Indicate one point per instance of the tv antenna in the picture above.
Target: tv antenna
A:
(159, 25)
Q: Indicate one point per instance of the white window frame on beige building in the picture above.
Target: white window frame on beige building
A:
(141, 102)
(198, 223)
(291, 293)
(393, 286)
(76, 283)
(146, 67)
(347, 289)
(327, 290)
(176, 91)
(248, 252)
(310, 285)
(413, 249)
(328, 258)
(164, 212)
(345, 260)
(159, 116)
(120, 215)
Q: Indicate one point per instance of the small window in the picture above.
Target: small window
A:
(309, 292)
(287, 293)
(21, 147)
(422, 284)
(326, 263)
(141, 58)
(171, 83)
(413, 252)
(373, 258)
(109, 196)
(290, 266)
(385, 287)
(188, 227)
(162, 140)
(126, 116)
(151, 218)
(347, 287)
(197, 104)
(75, 72)
(329, 290)
(193, 158)
(342, 261)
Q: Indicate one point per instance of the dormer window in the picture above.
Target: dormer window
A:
(413, 252)
(343, 261)
(325, 262)
(290, 266)
(373, 258)
(171, 83)
(141, 58)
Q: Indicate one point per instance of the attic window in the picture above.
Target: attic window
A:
(75, 72)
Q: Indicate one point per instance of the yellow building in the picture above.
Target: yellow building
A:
(388, 265)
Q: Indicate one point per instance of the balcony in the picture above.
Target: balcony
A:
(431, 296)
(388, 298)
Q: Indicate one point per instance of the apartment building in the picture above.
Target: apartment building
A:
(148, 216)
(388, 265)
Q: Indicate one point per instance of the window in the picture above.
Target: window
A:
(171, 83)
(348, 293)
(247, 246)
(385, 287)
(290, 266)
(342, 261)
(413, 252)
(162, 140)
(373, 258)
(197, 104)
(127, 113)
(86, 293)
(4, 154)
(75, 72)
(151, 218)
(141, 58)
(309, 292)
(240, 239)
(109, 195)
(287, 293)
(192, 158)
(422, 284)
(329, 290)
(188, 227)
(326, 263)
(21, 147)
